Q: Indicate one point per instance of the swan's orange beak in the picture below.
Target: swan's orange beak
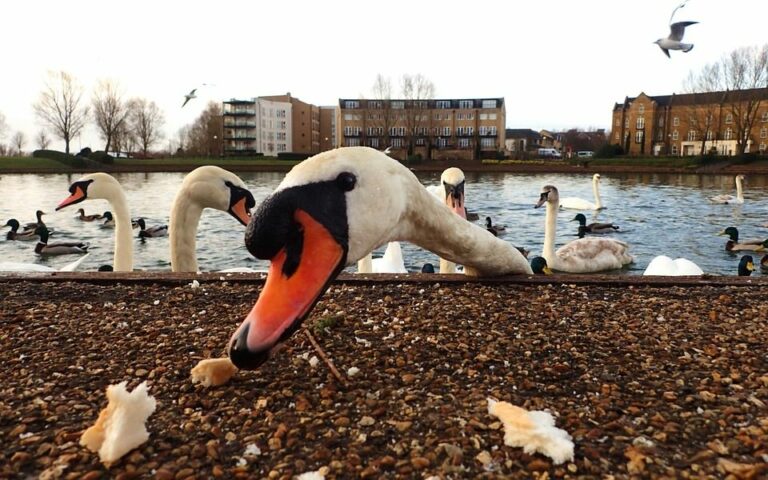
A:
(455, 201)
(240, 211)
(299, 273)
(78, 195)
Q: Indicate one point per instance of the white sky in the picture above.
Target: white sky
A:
(558, 63)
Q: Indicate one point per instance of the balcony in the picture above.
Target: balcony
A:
(240, 112)
(228, 123)
(488, 133)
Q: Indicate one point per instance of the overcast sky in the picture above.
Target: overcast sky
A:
(558, 63)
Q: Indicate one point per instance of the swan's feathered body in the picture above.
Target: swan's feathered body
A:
(330, 211)
(665, 266)
(33, 267)
(392, 261)
(584, 255)
(58, 248)
(730, 199)
(205, 187)
(153, 231)
(576, 203)
(104, 186)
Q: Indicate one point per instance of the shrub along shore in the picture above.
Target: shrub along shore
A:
(57, 162)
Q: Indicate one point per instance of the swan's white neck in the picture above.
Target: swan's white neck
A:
(185, 216)
(365, 264)
(550, 227)
(739, 189)
(123, 260)
(596, 191)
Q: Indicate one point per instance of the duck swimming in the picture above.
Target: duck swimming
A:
(594, 227)
(87, 218)
(14, 233)
(58, 248)
(154, 231)
(734, 245)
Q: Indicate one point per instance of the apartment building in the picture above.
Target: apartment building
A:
(270, 125)
(724, 122)
(466, 129)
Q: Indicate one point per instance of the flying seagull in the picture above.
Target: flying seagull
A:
(676, 32)
(189, 97)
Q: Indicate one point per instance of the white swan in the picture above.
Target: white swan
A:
(451, 193)
(584, 255)
(33, 267)
(330, 211)
(575, 203)
(727, 199)
(104, 186)
(665, 266)
(204, 187)
(391, 262)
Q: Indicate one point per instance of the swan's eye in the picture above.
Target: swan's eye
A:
(346, 181)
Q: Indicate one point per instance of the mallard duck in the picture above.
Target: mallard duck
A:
(87, 218)
(155, 231)
(764, 263)
(584, 255)
(429, 268)
(539, 266)
(14, 234)
(109, 221)
(734, 245)
(494, 229)
(746, 266)
(594, 227)
(39, 223)
(728, 199)
(58, 248)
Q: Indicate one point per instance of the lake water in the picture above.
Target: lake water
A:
(658, 213)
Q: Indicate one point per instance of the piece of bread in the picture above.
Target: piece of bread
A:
(213, 372)
(120, 426)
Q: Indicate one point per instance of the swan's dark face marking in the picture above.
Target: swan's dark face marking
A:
(78, 192)
(454, 197)
(303, 231)
(547, 193)
(241, 202)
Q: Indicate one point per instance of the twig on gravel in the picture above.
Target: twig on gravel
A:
(325, 358)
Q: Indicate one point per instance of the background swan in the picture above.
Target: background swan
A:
(104, 186)
(576, 203)
(665, 266)
(584, 255)
(330, 211)
(727, 199)
(451, 193)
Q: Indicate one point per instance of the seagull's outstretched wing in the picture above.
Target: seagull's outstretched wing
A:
(677, 30)
(675, 10)
(189, 97)
(666, 52)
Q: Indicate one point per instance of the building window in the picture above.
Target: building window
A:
(764, 132)
(377, 104)
(728, 134)
(351, 104)
(442, 142)
(281, 136)
(674, 149)
(762, 148)
(491, 116)
(639, 137)
(659, 136)
(710, 135)
(281, 147)
(421, 142)
(489, 103)
(617, 137)
(398, 104)
(484, 130)
(483, 116)
(691, 135)
(626, 122)
(352, 142)
(488, 142)
(641, 109)
(373, 142)
(676, 121)
(463, 143)
(397, 142)
(675, 135)
(396, 131)
(765, 116)
(443, 104)
(281, 124)
(660, 121)
(351, 131)
(640, 123)
(729, 118)
(466, 103)
(445, 131)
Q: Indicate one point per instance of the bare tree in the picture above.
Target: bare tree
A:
(3, 125)
(417, 90)
(379, 115)
(702, 111)
(124, 140)
(18, 140)
(204, 136)
(61, 106)
(182, 138)
(146, 120)
(109, 110)
(42, 140)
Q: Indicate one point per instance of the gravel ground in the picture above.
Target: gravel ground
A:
(652, 380)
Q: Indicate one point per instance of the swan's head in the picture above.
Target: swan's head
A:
(580, 218)
(95, 185)
(732, 232)
(539, 266)
(596, 177)
(453, 182)
(549, 195)
(329, 211)
(214, 187)
(746, 266)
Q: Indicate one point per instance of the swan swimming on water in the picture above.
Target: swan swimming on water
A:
(729, 199)
(576, 203)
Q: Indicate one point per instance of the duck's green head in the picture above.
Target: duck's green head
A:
(731, 232)
(539, 266)
(746, 266)
(580, 218)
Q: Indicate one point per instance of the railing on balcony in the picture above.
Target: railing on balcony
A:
(240, 111)
(241, 124)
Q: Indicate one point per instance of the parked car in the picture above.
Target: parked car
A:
(585, 154)
(549, 153)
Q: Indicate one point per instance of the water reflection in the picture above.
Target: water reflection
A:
(658, 213)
